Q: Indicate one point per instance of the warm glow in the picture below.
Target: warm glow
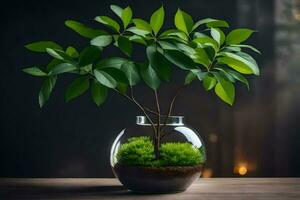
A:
(242, 170)
(296, 9)
(207, 173)
(297, 16)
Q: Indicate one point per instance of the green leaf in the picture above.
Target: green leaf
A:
(223, 74)
(125, 45)
(231, 49)
(205, 40)
(250, 60)
(131, 72)
(238, 77)
(163, 67)
(246, 46)
(71, 51)
(238, 36)
(157, 20)
(59, 54)
(101, 41)
(34, 71)
(138, 31)
(109, 22)
(236, 65)
(200, 56)
(179, 59)
(117, 10)
(226, 91)
(210, 23)
(185, 48)
(87, 69)
(105, 79)
(62, 68)
(159, 63)
(150, 77)
(41, 46)
(242, 63)
(46, 90)
(198, 34)
(122, 88)
(183, 21)
(126, 16)
(199, 74)
(174, 32)
(167, 45)
(209, 82)
(83, 30)
(219, 23)
(115, 62)
(142, 24)
(138, 39)
(193, 74)
(189, 78)
(53, 63)
(218, 35)
(210, 52)
(99, 93)
(89, 55)
(116, 74)
(77, 87)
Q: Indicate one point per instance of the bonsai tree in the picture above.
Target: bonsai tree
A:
(204, 51)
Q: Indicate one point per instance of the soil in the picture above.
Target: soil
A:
(167, 179)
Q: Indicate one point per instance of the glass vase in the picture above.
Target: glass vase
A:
(146, 161)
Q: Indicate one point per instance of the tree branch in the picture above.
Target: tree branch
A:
(171, 106)
(144, 111)
(145, 107)
(140, 107)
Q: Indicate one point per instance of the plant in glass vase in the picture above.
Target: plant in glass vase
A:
(160, 153)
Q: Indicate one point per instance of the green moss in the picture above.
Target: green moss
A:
(139, 151)
(180, 154)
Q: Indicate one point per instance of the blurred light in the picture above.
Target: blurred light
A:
(296, 9)
(297, 15)
(243, 171)
(240, 169)
(207, 173)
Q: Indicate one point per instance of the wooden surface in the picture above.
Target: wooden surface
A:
(93, 188)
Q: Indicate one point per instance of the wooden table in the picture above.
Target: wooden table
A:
(99, 188)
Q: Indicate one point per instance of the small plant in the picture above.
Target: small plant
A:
(204, 50)
(180, 154)
(139, 151)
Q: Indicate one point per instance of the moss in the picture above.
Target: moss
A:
(139, 151)
(179, 154)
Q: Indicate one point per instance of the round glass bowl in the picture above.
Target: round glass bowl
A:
(181, 156)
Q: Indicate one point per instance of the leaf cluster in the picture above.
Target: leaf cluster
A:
(204, 50)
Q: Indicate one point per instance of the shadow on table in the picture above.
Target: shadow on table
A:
(40, 192)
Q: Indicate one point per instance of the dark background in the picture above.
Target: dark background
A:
(260, 132)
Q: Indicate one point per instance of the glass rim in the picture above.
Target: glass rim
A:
(173, 120)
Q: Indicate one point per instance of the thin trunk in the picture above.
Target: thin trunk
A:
(171, 108)
(157, 129)
(156, 147)
(157, 134)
